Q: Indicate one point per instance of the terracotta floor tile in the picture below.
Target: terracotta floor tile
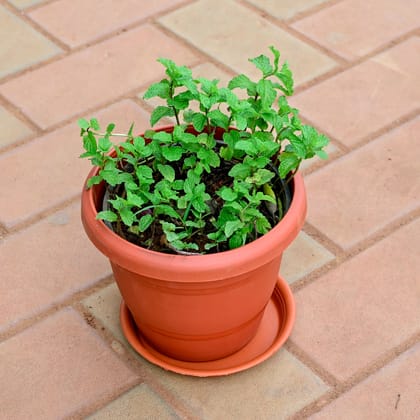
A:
(362, 309)
(56, 367)
(285, 9)
(362, 192)
(12, 129)
(105, 306)
(22, 4)
(274, 389)
(367, 97)
(31, 183)
(35, 280)
(24, 45)
(302, 257)
(54, 17)
(225, 35)
(139, 402)
(353, 28)
(390, 393)
(93, 76)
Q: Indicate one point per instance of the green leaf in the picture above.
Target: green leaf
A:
(163, 137)
(89, 142)
(111, 176)
(298, 146)
(240, 170)
(262, 225)
(110, 127)
(232, 226)
(236, 241)
(289, 162)
(160, 89)
(145, 222)
(219, 119)
(104, 144)
(276, 54)
(159, 112)
(262, 62)
(209, 156)
(93, 181)
(167, 172)
(83, 124)
(134, 200)
(107, 215)
(199, 121)
(227, 194)
(247, 146)
(168, 210)
(267, 92)
(243, 82)
(94, 124)
(144, 172)
(127, 216)
(286, 77)
(241, 122)
(260, 177)
(172, 153)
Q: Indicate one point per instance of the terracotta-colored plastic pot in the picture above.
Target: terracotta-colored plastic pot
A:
(196, 308)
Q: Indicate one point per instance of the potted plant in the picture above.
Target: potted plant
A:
(194, 217)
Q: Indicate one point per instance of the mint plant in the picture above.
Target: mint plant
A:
(216, 180)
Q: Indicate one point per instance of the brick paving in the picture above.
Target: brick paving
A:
(354, 351)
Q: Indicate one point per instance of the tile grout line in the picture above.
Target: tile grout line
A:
(359, 60)
(313, 10)
(339, 60)
(67, 301)
(364, 374)
(341, 255)
(23, 15)
(69, 51)
(131, 359)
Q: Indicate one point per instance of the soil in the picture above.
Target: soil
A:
(154, 238)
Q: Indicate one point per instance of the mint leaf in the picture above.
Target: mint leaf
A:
(94, 124)
(159, 112)
(236, 241)
(243, 82)
(199, 121)
(262, 62)
(104, 144)
(288, 162)
(227, 194)
(247, 147)
(89, 142)
(167, 172)
(93, 181)
(83, 124)
(160, 89)
(127, 216)
(266, 90)
(145, 222)
(107, 215)
(276, 54)
(232, 226)
(172, 153)
(163, 137)
(218, 119)
(286, 77)
(240, 170)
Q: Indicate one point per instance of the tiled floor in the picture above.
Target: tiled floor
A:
(354, 352)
